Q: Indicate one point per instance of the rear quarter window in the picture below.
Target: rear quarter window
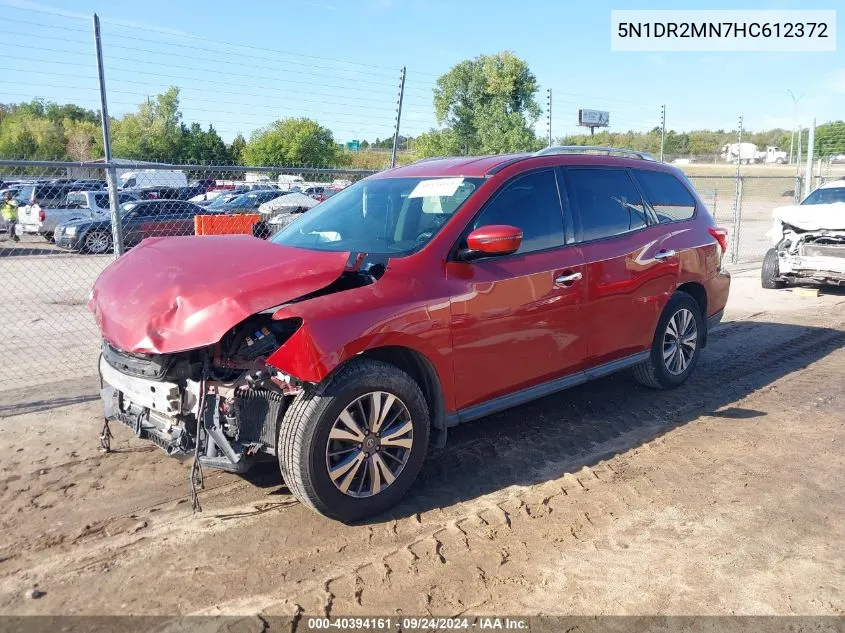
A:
(670, 199)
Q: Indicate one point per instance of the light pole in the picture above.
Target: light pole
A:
(795, 101)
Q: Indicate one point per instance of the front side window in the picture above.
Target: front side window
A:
(608, 203)
(669, 198)
(530, 203)
(392, 216)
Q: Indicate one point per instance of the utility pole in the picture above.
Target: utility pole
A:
(795, 101)
(398, 117)
(111, 175)
(808, 178)
(550, 116)
(662, 129)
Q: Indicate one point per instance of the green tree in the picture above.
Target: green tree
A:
(830, 139)
(294, 141)
(488, 104)
(236, 149)
(153, 133)
(203, 146)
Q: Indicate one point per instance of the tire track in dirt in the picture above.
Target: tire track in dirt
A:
(602, 434)
(533, 464)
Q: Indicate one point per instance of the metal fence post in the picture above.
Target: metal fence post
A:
(662, 130)
(111, 175)
(550, 117)
(737, 199)
(398, 117)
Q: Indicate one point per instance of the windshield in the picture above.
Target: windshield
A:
(395, 216)
(77, 199)
(124, 182)
(222, 199)
(826, 196)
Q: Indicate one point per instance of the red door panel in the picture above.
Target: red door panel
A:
(513, 324)
(629, 280)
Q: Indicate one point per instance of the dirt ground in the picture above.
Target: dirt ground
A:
(721, 497)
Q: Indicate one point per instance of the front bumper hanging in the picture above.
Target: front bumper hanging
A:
(232, 434)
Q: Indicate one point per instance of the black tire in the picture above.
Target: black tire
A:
(770, 271)
(49, 237)
(93, 243)
(654, 372)
(304, 438)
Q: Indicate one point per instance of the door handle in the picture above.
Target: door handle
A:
(665, 254)
(569, 278)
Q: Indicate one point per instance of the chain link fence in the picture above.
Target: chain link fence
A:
(66, 238)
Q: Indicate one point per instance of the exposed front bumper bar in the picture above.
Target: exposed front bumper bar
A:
(820, 268)
(169, 415)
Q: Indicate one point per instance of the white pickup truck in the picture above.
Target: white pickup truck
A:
(79, 205)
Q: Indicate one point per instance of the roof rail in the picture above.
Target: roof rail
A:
(590, 149)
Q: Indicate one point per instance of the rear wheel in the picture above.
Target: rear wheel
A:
(97, 242)
(676, 346)
(49, 237)
(770, 271)
(351, 446)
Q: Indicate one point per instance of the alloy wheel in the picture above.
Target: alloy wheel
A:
(369, 444)
(97, 242)
(679, 342)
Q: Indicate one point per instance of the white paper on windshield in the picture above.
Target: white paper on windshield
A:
(436, 188)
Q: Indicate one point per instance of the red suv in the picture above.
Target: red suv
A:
(412, 301)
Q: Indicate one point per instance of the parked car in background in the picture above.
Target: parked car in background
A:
(809, 240)
(204, 199)
(37, 220)
(91, 183)
(47, 194)
(152, 178)
(206, 184)
(417, 299)
(140, 220)
(245, 202)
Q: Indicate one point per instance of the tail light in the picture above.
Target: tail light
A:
(721, 236)
(41, 215)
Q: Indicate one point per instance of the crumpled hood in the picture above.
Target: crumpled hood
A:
(179, 293)
(812, 217)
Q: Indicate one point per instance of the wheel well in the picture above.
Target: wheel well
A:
(697, 292)
(422, 371)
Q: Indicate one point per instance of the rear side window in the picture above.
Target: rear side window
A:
(531, 203)
(669, 198)
(607, 202)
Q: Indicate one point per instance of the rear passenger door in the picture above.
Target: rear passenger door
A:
(630, 273)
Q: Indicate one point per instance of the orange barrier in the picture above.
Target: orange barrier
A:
(239, 224)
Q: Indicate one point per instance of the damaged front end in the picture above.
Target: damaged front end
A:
(817, 255)
(220, 403)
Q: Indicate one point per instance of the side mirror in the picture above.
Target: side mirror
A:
(492, 240)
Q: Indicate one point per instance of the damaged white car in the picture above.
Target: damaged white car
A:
(809, 240)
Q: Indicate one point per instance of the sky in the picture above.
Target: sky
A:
(242, 65)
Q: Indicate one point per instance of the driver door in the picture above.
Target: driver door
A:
(516, 319)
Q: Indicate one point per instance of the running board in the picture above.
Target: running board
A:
(532, 393)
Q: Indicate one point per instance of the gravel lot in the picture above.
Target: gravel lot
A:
(721, 497)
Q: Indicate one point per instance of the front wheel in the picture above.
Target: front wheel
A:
(350, 447)
(676, 346)
(97, 242)
(770, 271)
